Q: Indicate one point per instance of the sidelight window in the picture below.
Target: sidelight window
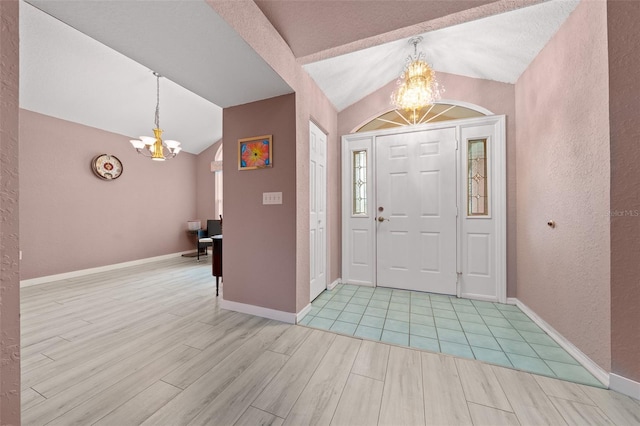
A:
(477, 194)
(360, 182)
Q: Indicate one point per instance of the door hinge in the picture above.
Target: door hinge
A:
(457, 144)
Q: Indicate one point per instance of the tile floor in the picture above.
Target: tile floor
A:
(491, 332)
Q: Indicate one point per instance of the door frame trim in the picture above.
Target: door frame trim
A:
(326, 236)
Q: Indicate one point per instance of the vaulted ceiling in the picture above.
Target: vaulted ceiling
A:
(91, 62)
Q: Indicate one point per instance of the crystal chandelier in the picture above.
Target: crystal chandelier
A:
(417, 85)
(154, 147)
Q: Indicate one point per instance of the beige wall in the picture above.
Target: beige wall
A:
(260, 240)
(9, 219)
(71, 220)
(496, 97)
(562, 137)
(624, 87)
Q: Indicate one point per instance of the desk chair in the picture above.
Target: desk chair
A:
(214, 227)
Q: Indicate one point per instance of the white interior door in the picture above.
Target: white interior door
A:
(416, 210)
(318, 210)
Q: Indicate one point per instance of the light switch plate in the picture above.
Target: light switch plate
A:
(272, 198)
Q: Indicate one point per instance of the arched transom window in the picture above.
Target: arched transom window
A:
(432, 114)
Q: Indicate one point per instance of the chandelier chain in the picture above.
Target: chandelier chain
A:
(157, 118)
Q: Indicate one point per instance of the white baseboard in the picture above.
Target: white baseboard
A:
(288, 317)
(593, 368)
(333, 284)
(82, 272)
(360, 283)
(623, 385)
(303, 312)
(480, 297)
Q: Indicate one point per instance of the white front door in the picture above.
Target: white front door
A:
(317, 208)
(416, 210)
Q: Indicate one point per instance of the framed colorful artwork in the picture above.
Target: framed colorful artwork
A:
(255, 153)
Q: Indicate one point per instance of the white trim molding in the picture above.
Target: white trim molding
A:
(303, 313)
(288, 317)
(89, 271)
(623, 385)
(593, 368)
(333, 284)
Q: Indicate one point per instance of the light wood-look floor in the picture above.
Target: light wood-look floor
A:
(149, 345)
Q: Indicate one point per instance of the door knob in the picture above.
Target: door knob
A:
(381, 219)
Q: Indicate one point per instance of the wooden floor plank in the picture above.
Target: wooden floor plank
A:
(578, 414)
(489, 416)
(126, 389)
(290, 341)
(317, 403)
(562, 389)
(141, 406)
(403, 398)
(529, 402)
(444, 400)
(215, 353)
(360, 402)
(81, 390)
(283, 391)
(188, 404)
(34, 361)
(43, 346)
(29, 398)
(124, 355)
(621, 409)
(252, 417)
(236, 398)
(371, 360)
(480, 384)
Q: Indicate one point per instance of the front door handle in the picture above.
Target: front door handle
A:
(382, 219)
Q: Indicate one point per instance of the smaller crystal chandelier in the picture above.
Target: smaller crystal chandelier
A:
(154, 147)
(417, 85)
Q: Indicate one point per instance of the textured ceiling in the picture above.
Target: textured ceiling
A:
(313, 26)
(498, 48)
(90, 62)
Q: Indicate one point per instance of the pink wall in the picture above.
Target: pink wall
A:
(260, 240)
(624, 63)
(72, 220)
(494, 96)
(311, 104)
(205, 185)
(9, 218)
(563, 174)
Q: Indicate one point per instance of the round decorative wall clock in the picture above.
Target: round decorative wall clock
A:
(107, 167)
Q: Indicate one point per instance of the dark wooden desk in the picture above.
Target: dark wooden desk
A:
(216, 261)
